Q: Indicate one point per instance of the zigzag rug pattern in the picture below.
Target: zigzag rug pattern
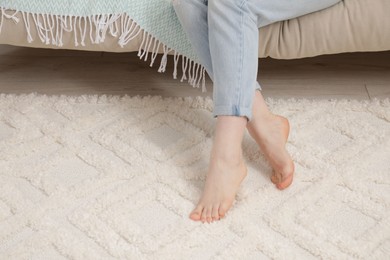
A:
(108, 177)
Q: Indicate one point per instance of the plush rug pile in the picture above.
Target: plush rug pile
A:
(108, 177)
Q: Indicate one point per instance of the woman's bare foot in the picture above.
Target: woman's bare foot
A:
(222, 182)
(271, 133)
(226, 170)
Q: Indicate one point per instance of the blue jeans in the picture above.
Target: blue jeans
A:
(225, 36)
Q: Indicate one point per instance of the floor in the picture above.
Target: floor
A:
(363, 75)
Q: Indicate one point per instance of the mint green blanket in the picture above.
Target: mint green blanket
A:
(156, 19)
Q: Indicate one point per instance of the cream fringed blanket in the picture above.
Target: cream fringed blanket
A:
(124, 19)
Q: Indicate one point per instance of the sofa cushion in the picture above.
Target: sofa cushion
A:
(349, 26)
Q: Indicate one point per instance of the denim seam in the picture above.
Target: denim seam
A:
(241, 54)
(252, 17)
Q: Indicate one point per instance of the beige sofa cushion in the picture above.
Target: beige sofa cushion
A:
(349, 26)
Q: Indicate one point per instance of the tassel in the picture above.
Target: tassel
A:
(176, 61)
(164, 60)
(189, 73)
(154, 52)
(50, 23)
(76, 43)
(152, 39)
(184, 68)
(13, 17)
(28, 28)
(83, 33)
(196, 82)
(204, 81)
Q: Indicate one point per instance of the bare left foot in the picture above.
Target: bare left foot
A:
(271, 134)
(222, 182)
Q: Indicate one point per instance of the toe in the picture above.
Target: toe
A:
(208, 214)
(203, 217)
(223, 208)
(285, 182)
(214, 213)
(276, 177)
(197, 212)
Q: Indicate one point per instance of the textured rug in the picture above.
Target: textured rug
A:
(108, 177)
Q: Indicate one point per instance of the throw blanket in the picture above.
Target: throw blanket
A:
(125, 19)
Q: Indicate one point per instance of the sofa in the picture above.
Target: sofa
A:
(349, 26)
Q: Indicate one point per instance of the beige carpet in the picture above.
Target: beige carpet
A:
(108, 177)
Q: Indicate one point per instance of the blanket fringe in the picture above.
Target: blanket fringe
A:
(50, 29)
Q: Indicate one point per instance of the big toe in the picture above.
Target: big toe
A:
(285, 183)
(196, 213)
(282, 182)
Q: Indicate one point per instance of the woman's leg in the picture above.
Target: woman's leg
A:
(225, 35)
(227, 168)
(194, 15)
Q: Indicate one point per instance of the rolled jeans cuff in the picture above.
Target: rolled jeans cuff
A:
(258, 86)
(232, 111)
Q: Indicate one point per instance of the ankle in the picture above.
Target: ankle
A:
(228, 157)
(261, 118)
